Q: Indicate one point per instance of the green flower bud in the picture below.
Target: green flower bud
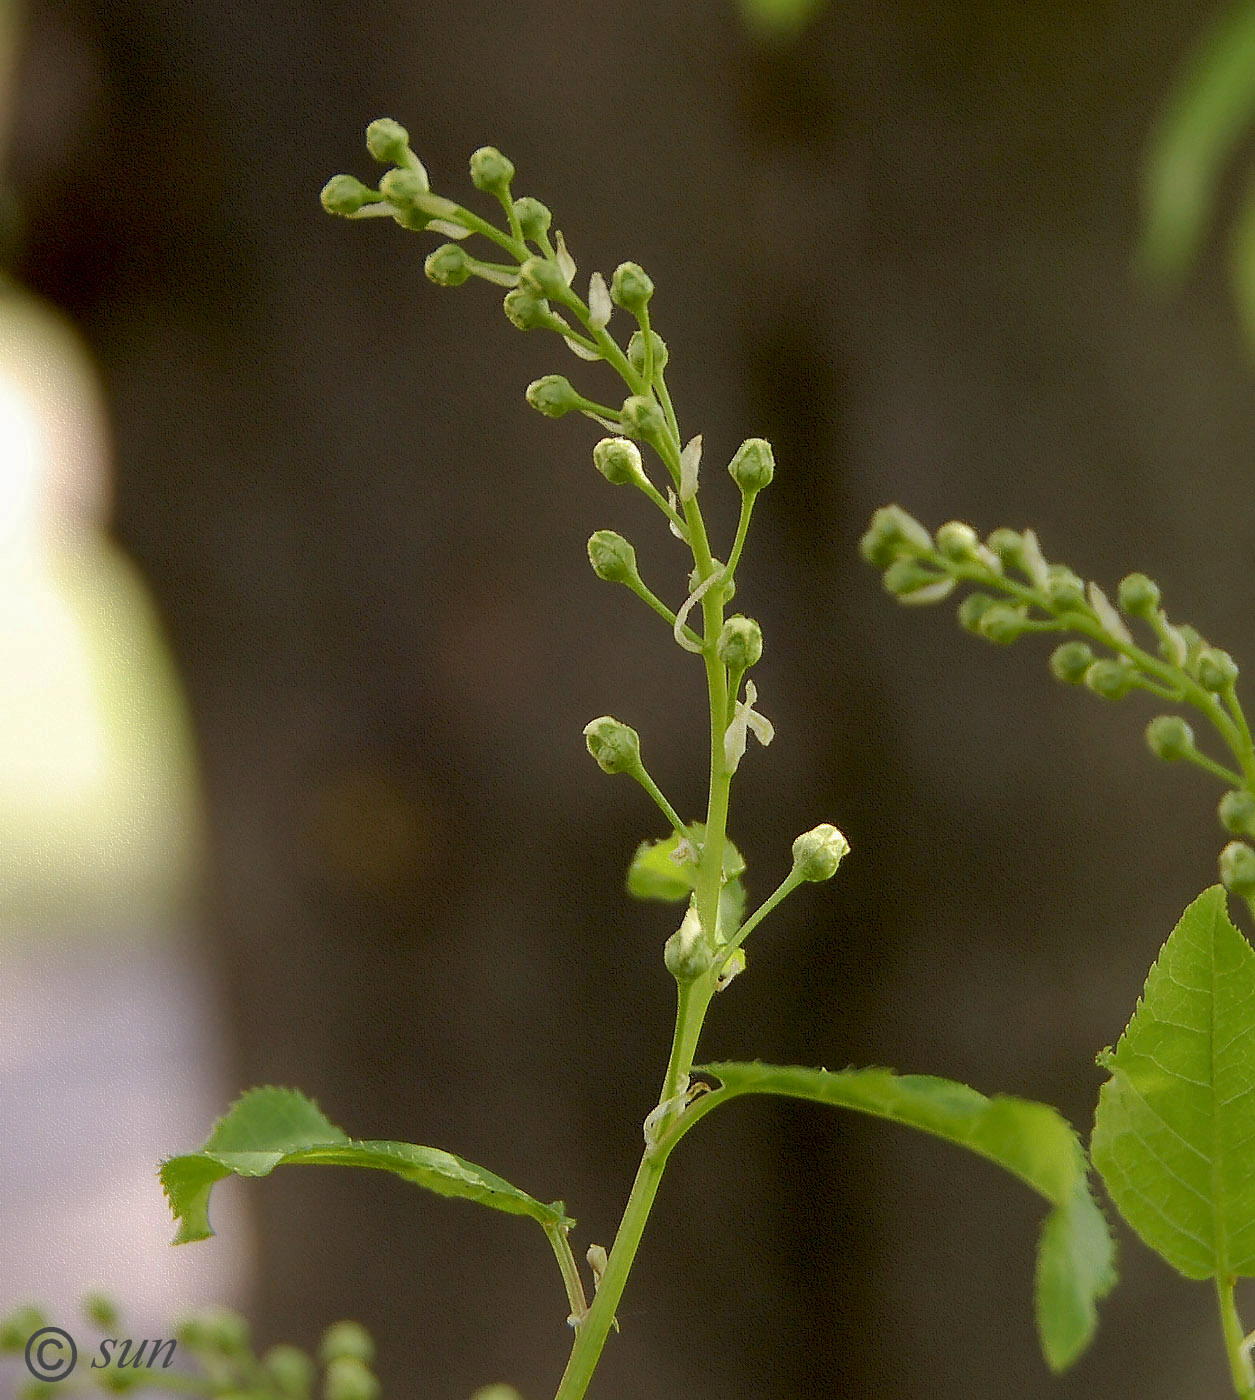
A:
(740, 643)
(1169, 737)
(1237, 868)
(292, 1371)
(686, 953)
(1069, 662)
(344, 195)
(1237, 812)
(534, 218)
(1002, 623)
(973, 608)
(346, 1339)
(387, 141)
(524, 310)
(643, 418)
(1064, 588)
(542, 277)
(615, 746)
(496, 1392)
(1217, 670)
(753, 466)
(619, 461)
(214, 1329)
(448, 266)
(1008, 545)
(553, 396)
(612, 557)
(491, 171)
(1111, 680)
(957, 541)
(18, 1328)
(913, 582)
(348, 1379)
(100, 1311)
(893, 533)
(404, 189)
(636, 351)
(818, 852)
(1138, 595)
(631, 287)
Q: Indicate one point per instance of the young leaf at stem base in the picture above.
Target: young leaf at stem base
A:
(1075, 1257)
(1175, 1126)
(270, 1127)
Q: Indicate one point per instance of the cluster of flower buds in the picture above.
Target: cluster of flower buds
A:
(1019, 591)
(217, 1339)
(539, 275)
(1033, 595)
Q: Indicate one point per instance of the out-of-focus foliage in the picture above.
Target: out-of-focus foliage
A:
(1209, 111)
(779, 19)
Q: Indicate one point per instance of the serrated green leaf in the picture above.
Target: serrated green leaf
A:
(267, 1128)
(1075, 1260)
(1211, 107)
(656, 874)
(1175, 1122)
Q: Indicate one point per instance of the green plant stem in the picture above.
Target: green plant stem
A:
(516, 248)
(1230, 698)
(670, 512)
(651, 600)
(557, 1235)
(664, 398)
(1209, 765)
(1239, 1362)
(742, 529)
(665, 807)
(693, 1000)
(786, 887)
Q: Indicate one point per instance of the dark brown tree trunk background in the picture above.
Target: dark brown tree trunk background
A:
(901, 249)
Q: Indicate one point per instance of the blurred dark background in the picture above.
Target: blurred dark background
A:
(900, 246)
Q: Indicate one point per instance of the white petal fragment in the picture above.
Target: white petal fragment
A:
(451, 230)
(566, 263)
(492, 274)
(1112, 622)
(610, 424)
(1034, 560)
(1177, 647)
(989, 559)
(745, 720)
(673, 501)
(581, 350)
(599, 304)
(930, 593)
(689, 604)
(690, 460)
(732, 968)
(419, 169)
